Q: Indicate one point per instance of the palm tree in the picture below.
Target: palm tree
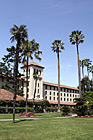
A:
(29, 47)
(35, 76)
(91, 70)
(19, 34)
(57, 46)
(77, 37)
(82, 63)
(87, 64)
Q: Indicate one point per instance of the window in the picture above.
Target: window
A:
(50, 97)
(67, 99)
(64, 99)
(50, 92)
(63, 89)
(61, 99)
(53, 98)
(57, 94)
(54, 93)
(38, 96)
(61, 94)
(70, 100)
(50, 87)
(38, 84)
(45, 92)
(64, 94)
(27, 89)
(45, 87)
(73, 95)
(38, 90)
(67, 95)
(70, 95)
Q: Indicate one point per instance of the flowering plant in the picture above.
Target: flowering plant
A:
(25, 114)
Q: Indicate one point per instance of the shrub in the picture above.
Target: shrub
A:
(65, 110)
(25, 114)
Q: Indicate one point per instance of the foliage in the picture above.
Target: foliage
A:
(17, 109)
(81, 106)
(65, 110)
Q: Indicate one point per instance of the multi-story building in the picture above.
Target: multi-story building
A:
(45, 90)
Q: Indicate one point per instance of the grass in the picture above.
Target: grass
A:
(38, 115)
(52, 129)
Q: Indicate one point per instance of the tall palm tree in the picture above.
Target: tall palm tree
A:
(29, 48)
(91, 70)
(19, 34)
(35, 76)
(82, 63)
(87, 64)
(77, 37)
(57, 46)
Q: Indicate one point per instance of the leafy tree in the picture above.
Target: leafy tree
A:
(7, 71)
(81, 106)
(29, 48)
(57, 46)
(77, 37)
(89, 98)
(19, 34)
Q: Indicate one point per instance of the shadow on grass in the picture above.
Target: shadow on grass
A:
(21, 120)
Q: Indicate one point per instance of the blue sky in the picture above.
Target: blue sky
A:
(48, 20)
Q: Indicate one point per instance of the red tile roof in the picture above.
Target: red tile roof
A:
(61, 103)
(56, 85)
(34, 64)
(6, 95)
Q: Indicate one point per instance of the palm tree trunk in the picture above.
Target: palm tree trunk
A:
(88, 79)
(26, 83)
(58, 84)
(83, 71)
(79, 76)
(15, 80)
(34, 91)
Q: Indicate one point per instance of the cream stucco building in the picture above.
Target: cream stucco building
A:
(45, 90)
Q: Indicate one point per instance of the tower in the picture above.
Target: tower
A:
(35, 78)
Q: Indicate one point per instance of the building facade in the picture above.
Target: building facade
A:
(45, 90)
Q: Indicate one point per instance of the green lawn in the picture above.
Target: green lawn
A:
(52, 129)
(38, 115)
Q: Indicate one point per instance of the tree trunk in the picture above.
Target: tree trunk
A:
(34, 91)
(79, 76)
(83, 71)
(88, 79)
(15, 80)
(58, 84)
(26, 83)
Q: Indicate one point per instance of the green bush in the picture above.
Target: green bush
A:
(17, 109)
(65, 110)
(51, 109)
